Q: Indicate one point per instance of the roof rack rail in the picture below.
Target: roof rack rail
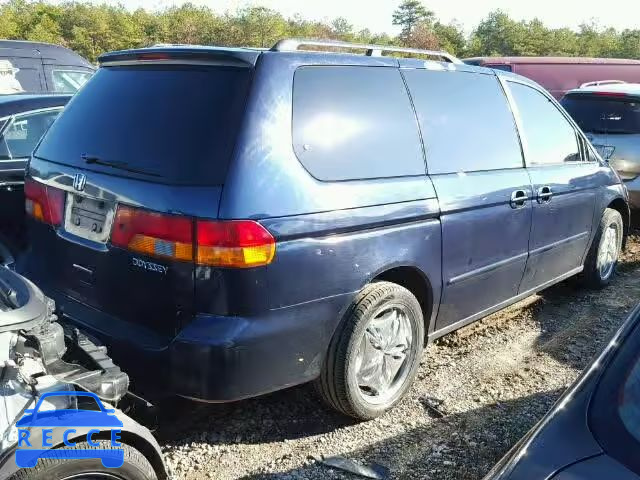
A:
(293, 44)
(602, 82)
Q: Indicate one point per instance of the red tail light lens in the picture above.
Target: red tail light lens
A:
(44, 203)
(154, 234)
(234, 243)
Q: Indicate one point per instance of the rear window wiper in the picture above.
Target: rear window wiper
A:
(92, 159)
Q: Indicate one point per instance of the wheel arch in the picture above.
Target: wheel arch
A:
(414, 280)
(134, 440)
(622, 207)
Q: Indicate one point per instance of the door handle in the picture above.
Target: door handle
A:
(518, 199)
(544, 194)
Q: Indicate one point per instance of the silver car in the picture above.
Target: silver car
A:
(609, 113)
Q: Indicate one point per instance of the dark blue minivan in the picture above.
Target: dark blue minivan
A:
(245, 220)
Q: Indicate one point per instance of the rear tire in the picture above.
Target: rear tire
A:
(135, 466)
(374, 355)
(602, 259)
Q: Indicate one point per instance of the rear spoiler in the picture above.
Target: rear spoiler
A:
(182, 55)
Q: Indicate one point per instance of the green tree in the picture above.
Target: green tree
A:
(260, 26)
(9, 22)
(342, 29)
(629, 45)
(46, 30)
(409, 15)
(451, 38)
(497, 34)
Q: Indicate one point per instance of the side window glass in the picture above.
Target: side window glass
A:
(9, 82)
(354, 123)
(466, 121)
(550, 138)
(23, 134)
(69, 81)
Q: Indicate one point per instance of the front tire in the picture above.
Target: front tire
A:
(600, 266)
(135, 466)
(374, 355)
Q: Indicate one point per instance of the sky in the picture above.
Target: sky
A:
(376, 14)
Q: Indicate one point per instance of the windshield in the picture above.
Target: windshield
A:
(602, 115)
(167, 123)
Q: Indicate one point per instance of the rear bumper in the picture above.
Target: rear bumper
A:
(219, 359)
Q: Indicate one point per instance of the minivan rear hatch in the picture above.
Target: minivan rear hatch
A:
(611, 121)
(140, 152)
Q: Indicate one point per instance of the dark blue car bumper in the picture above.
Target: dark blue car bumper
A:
(216, 358)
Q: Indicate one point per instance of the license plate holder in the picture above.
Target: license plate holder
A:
(88, 217)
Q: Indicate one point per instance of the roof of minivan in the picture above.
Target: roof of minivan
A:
(12, 104)
(554, 60)
(63, 55)
(244, 55)
(626, 88)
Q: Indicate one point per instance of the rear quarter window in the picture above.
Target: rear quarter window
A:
(465, 120)
(168, 123)
(354, 123)
(550, 137)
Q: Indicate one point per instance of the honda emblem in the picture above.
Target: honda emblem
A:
(79, 180)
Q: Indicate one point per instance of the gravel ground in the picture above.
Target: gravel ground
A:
(478, 391)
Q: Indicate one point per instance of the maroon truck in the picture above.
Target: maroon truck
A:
(561, 74)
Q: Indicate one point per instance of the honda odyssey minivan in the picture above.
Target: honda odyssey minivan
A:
(238, 221)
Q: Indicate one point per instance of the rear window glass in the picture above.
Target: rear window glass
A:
(355, 123)
(604, 114)
(466, 121)
(173, 124)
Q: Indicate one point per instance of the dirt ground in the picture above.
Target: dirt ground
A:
(478, 391)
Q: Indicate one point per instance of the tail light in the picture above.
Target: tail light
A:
(44, 203)
(153, 234)
(234, 244)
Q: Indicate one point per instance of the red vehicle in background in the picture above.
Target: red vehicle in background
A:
(561, 74)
